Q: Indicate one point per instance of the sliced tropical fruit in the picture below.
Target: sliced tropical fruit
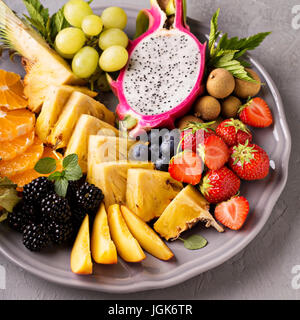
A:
(146, 237)
(111, 178)
(23, 162)
(127, 246)
(86, 126)
(55, 100)
(188, 207)
(103, 248)
(15, 123)
(149, 192)
(9, 150)
(107, 149)
(12, 91)
(42, 64)
(81, 260)
(77, 105)
(27, 176)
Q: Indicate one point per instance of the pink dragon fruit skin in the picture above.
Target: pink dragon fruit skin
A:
(183, 96)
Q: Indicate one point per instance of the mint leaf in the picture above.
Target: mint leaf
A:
(45, 165)
(214, 33)
(57, 23)
(194, 242)
(8, 194)
(70, 161)
(3, 216)
(73, 173)
(61, 186)
(55, 176)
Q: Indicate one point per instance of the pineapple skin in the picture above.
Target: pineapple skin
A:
(86, 127)
(188, 207)
(149, 192)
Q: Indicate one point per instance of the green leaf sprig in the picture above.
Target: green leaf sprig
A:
(71, 172)
(227, 53)
(8, 196)
(194, 242)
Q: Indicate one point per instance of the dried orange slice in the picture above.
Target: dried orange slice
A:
(10, 149)
(15, 123)
(27, 176)
(23, 162)
(12, 91)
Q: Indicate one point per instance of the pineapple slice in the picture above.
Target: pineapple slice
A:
(86, 126)
(183, 213)
(149, 192)
(111, 178)
(77, 105)
(106, 149)
(55, 100)
(44, 65)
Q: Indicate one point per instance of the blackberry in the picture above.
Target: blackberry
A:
(37, 189)
(78, 215)
(35, 237)
(55, 208)
(73, 186)
(60, 233)
(89, 197)
(23, 214)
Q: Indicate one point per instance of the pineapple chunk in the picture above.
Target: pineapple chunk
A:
(183, 213)
(44, 65)
(77, 105)
(111, 178)
(85, 127)
(149, 192)
(106, 149)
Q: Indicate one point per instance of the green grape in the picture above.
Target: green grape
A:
(69, 40)
(65, 56)
(114, 17)
(92, 25)
(102, 83)
(113, 37)
(113, 59)
(85, 62)
(75, 11)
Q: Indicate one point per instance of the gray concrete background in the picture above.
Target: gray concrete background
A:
(264, 269)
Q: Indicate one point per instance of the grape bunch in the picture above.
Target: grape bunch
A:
(94, 43)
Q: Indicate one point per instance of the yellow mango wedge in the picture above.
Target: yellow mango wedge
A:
(81, 260)
(146, 237)
(103, 248)
(127, 246)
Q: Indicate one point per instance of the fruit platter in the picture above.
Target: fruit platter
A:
(138, 147)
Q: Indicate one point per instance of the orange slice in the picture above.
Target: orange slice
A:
(12, 91)
(24, 161)
(15, 123)
(27, 176)
(10, 149)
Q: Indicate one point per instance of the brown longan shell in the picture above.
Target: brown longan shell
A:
(185, 121)
(230, 107)
(220, 83)
(244, 89)
(207, 108)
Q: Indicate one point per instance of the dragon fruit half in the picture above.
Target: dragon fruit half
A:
(164, 72)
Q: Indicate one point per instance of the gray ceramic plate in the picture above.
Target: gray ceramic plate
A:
(153, 273)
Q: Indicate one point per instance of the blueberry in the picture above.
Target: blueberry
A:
(162, 164)
(139, 152)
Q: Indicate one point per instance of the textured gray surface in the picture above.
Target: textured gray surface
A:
(263, 269)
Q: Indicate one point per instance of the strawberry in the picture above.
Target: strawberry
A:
(256, 113)
(195, 134)
(186, 167)
(219, 185)
(232, 213)
(233, 131)
(249, 161)
(214, 152)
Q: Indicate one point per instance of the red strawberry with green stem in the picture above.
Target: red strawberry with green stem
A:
(186, 167)
(256, 113)
(249, 161)
(220, 185)
(233, 132)
(233, 213)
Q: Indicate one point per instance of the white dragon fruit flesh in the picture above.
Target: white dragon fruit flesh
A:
(163, 76)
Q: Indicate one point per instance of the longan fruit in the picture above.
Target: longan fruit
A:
(186, 120)
(220, 83)
(215, 125)
(230, 107)
(207, 108)
(244, 89)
